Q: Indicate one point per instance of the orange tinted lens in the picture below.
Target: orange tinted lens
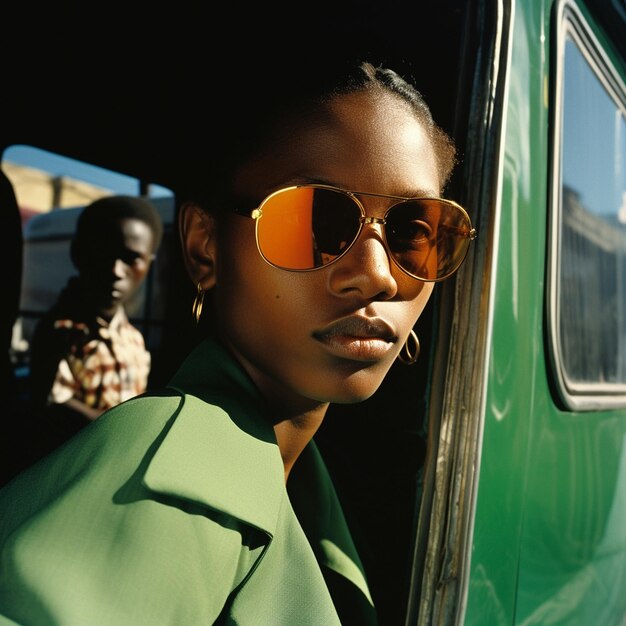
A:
(306, 227)
(284, 230)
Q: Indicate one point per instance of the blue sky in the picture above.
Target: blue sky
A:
(594, 138)
(63, 166)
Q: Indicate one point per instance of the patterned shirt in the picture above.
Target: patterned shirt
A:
(76, 354)
(109, 364)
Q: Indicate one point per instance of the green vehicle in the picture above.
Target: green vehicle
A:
(486, 484)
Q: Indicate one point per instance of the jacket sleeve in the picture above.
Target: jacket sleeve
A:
(84, 541)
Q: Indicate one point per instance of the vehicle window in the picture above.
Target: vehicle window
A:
(51, 191)
(589, 254)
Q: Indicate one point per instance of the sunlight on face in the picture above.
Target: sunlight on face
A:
(333, 333)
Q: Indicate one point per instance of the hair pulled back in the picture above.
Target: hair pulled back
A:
(260, 102)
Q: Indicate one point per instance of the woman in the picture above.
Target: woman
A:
(209, 502)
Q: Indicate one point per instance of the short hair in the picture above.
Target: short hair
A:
(281, 91)
(369, 76)
(114, 208)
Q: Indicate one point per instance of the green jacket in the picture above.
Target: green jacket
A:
(172, 509)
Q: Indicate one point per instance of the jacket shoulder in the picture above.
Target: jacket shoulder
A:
(114, 445)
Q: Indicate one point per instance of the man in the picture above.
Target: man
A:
(86, 356)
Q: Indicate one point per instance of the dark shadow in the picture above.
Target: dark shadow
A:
(11, 250)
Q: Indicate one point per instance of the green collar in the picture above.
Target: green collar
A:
(231, 461)
(231, 458)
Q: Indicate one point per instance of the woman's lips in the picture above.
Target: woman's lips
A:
(357, 338)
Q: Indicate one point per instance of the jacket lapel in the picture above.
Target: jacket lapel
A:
(221, 452)
(231, 461)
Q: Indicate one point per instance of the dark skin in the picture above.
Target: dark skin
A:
(111, 269)
(308, 353)
(113, 266)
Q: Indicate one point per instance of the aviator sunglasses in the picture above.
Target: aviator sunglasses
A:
(307, 227)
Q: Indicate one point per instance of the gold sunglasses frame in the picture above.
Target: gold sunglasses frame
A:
(257, 213)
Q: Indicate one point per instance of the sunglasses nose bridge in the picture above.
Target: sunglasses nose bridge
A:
(382, 221)
(372, 220)
(382, 238)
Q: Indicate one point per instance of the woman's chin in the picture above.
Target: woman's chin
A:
(356, 388)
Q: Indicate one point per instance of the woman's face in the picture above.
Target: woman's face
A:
(329, 335)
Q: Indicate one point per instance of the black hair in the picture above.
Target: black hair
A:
(114, 208)
(366, 75)
(259, 101)
(442, 143)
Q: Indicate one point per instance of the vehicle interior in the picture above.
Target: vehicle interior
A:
(127, 98)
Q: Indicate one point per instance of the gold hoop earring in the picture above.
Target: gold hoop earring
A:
(196, 307)
(407, 355)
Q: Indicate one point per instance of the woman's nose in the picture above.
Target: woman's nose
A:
(366, 269)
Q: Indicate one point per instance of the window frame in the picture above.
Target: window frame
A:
(571, 24)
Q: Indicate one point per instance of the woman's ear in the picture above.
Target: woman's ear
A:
(197, 230)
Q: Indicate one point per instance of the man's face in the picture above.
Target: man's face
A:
(114, 264)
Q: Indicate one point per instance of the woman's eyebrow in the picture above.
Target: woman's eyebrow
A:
(406, 192)
(419, 192)
(311, 180)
